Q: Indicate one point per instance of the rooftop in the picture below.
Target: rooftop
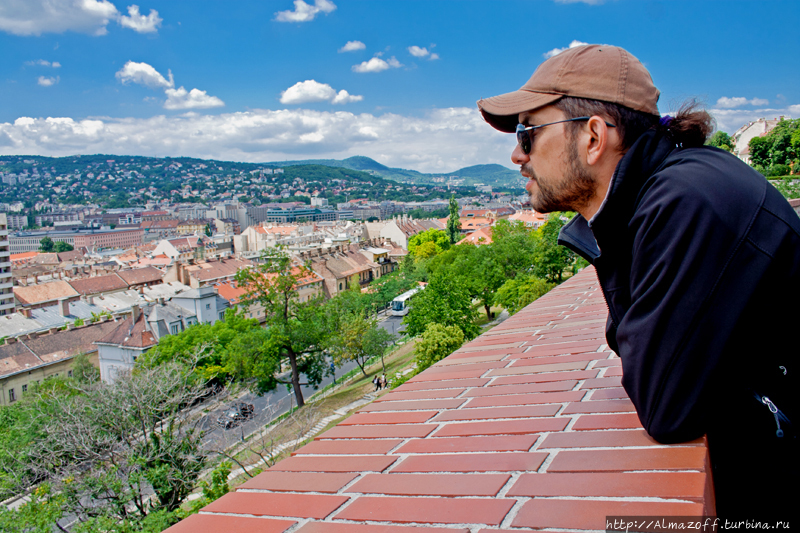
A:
(524, 428)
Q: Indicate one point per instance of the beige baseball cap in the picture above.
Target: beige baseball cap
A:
(596, 72)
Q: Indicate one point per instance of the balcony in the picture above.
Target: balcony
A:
(527, 426)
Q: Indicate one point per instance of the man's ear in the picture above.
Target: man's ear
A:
(598, 143)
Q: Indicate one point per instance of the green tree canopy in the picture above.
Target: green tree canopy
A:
(516, 293)
(453, 222)
(444, 301)
(436, 343)
(549, 258)
(721, 140)
(46, 245)
(61, 246)
(428, 243)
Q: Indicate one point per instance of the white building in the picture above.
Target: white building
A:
(741, 138)
(6, 283)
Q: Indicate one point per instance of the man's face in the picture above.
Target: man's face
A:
(558, 179)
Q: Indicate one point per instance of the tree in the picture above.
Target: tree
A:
(453, 222)
(549, 258)
(208, 230)
(436, 343)
(359, 339)
(446, 302)
(428, 243)
(46, 245)
(721, 140)
(516, 293)
(61, 246)
(297, 330)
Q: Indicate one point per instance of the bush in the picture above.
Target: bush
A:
(518, 292)
(778, 170)
(436, 343)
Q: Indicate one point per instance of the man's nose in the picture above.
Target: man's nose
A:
(518, 157)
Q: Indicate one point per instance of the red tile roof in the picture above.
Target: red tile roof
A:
(527, 426)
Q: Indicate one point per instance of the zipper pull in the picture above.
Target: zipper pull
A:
(774, 410)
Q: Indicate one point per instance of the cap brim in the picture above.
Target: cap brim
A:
(502, 112)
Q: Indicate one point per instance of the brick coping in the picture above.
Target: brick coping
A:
(524, 428)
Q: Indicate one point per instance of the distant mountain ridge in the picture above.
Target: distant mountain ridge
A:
(492, 174)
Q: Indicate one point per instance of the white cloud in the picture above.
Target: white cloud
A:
(44, 63)
(138, 22)
(730, 119)
(556, 51)
(304, 12)
(352, 46)
(312, 91)
(144, 74)
(376, 64)
(444, 140)
(738, 101)
(434, 57)
(180, 98)
(47, 82)
(416, 51)
(35, 17)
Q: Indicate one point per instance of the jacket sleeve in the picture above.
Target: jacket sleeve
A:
(692, 274)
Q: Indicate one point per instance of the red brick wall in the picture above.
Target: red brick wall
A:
(524, 427)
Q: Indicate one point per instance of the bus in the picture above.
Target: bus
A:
(402, 303)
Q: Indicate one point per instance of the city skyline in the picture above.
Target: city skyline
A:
(393, 81)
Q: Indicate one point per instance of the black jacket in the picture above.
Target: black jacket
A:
(699, 260)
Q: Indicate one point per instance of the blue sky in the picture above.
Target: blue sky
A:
(393, 80)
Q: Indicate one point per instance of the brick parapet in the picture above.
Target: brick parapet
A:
(524, 428)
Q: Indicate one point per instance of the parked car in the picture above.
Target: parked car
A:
(235, 414)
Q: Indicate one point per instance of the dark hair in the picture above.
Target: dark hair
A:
(690, 126)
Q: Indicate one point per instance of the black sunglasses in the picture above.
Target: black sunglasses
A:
(525, 133)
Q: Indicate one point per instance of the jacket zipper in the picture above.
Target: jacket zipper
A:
(774, 410)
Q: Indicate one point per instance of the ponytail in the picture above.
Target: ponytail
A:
(690, 127)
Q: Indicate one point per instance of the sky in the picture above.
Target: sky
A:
(394, 80)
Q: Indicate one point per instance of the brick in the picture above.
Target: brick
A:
(609, 363)
(427, 510)
(487, 352)
(601, 406)
(348, 527)
(479, 346)
(504, 443)
(672, 458)
(444, 384)
(549, 360)
(409, 417)
(600, 439)
(431, 484)
(395, 396)
(209, 523)
(334, 463)
(541, 378)
(617, 393)
(479, 368)
(684, 485)
(274, 504)
(554, 386)
(527, 399)
(587, 514)
(565, 348)
(299, 481)
(612, 421)
(508, 427)
(349, 447)
(601, 383)
(613, 372)
(469, 357)
(556, 367)
(451, 373)
(528, 411)
(402, 431)
(411, 405)
(473, 462)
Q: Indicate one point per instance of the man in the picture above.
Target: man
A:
(697, 254)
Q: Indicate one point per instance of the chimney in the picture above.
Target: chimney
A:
(11, 340)
(27, 312)
(63, 306)
(53, 331)
(135, 311)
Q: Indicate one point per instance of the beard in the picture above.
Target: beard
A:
(571, 192)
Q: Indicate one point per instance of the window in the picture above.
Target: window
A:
(24, 388)
(222, 316)
(173, 329)
(69, 373)
(11, 396)
(208, 306)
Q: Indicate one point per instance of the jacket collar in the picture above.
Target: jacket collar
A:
(645, 157)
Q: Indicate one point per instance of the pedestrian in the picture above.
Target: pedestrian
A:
(377, 382)
(383, 381)
(697, 255)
